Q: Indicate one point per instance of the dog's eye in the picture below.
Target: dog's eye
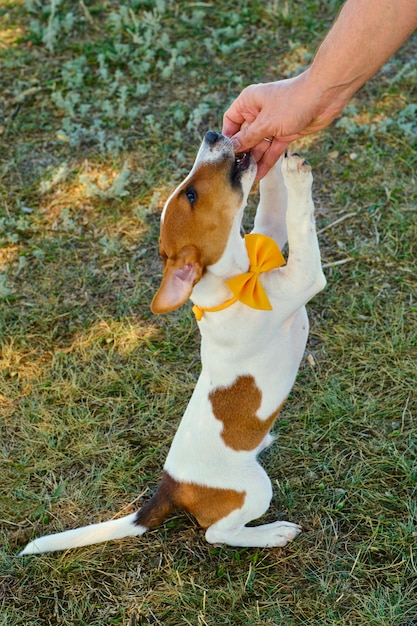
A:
(191, 195)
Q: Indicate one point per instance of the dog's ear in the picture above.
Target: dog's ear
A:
(178, 280)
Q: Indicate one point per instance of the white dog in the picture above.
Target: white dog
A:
(250, 310)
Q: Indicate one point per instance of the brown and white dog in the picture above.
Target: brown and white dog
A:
(252, 340)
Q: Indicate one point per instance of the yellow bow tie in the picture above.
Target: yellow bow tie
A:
(264, 255)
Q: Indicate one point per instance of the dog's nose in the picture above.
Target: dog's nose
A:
(211, 137)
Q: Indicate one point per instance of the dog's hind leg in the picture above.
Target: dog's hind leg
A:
(275, 535)
(232, 529)
(270, 216)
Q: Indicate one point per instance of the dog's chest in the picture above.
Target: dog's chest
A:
(242, 341)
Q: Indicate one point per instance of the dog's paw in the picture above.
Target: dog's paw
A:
(280, 533)
(275, 535)
(296, 169)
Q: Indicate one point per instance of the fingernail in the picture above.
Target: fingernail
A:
(235, 144)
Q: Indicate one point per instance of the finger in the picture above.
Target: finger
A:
(270, 157)
(241, 110)
(230, 126)
(237, 118)
(249, 136)
(260, 150)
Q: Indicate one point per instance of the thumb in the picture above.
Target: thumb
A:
(248, 136)
(244, 139)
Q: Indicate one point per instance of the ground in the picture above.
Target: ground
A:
(102, 108)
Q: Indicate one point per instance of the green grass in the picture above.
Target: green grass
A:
(103, 108)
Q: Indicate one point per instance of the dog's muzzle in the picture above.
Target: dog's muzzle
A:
(241, 161)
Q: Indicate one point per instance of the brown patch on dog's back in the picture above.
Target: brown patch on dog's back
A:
(206, 504)
(236, 407)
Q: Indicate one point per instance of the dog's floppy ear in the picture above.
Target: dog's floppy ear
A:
(178, 280)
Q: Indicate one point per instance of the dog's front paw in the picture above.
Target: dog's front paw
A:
(296, 170)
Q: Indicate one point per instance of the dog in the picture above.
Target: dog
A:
(250, 307)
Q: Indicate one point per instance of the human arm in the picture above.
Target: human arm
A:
(365, 34)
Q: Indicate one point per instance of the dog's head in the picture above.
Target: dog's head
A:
(198, 217)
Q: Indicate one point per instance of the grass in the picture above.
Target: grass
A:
(103, 107)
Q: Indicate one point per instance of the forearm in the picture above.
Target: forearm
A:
(364, 36)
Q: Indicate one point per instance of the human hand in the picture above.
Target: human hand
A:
(280, 111)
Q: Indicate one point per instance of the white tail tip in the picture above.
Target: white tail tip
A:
(85, 536)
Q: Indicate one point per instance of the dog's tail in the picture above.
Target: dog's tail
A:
(149, 516)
